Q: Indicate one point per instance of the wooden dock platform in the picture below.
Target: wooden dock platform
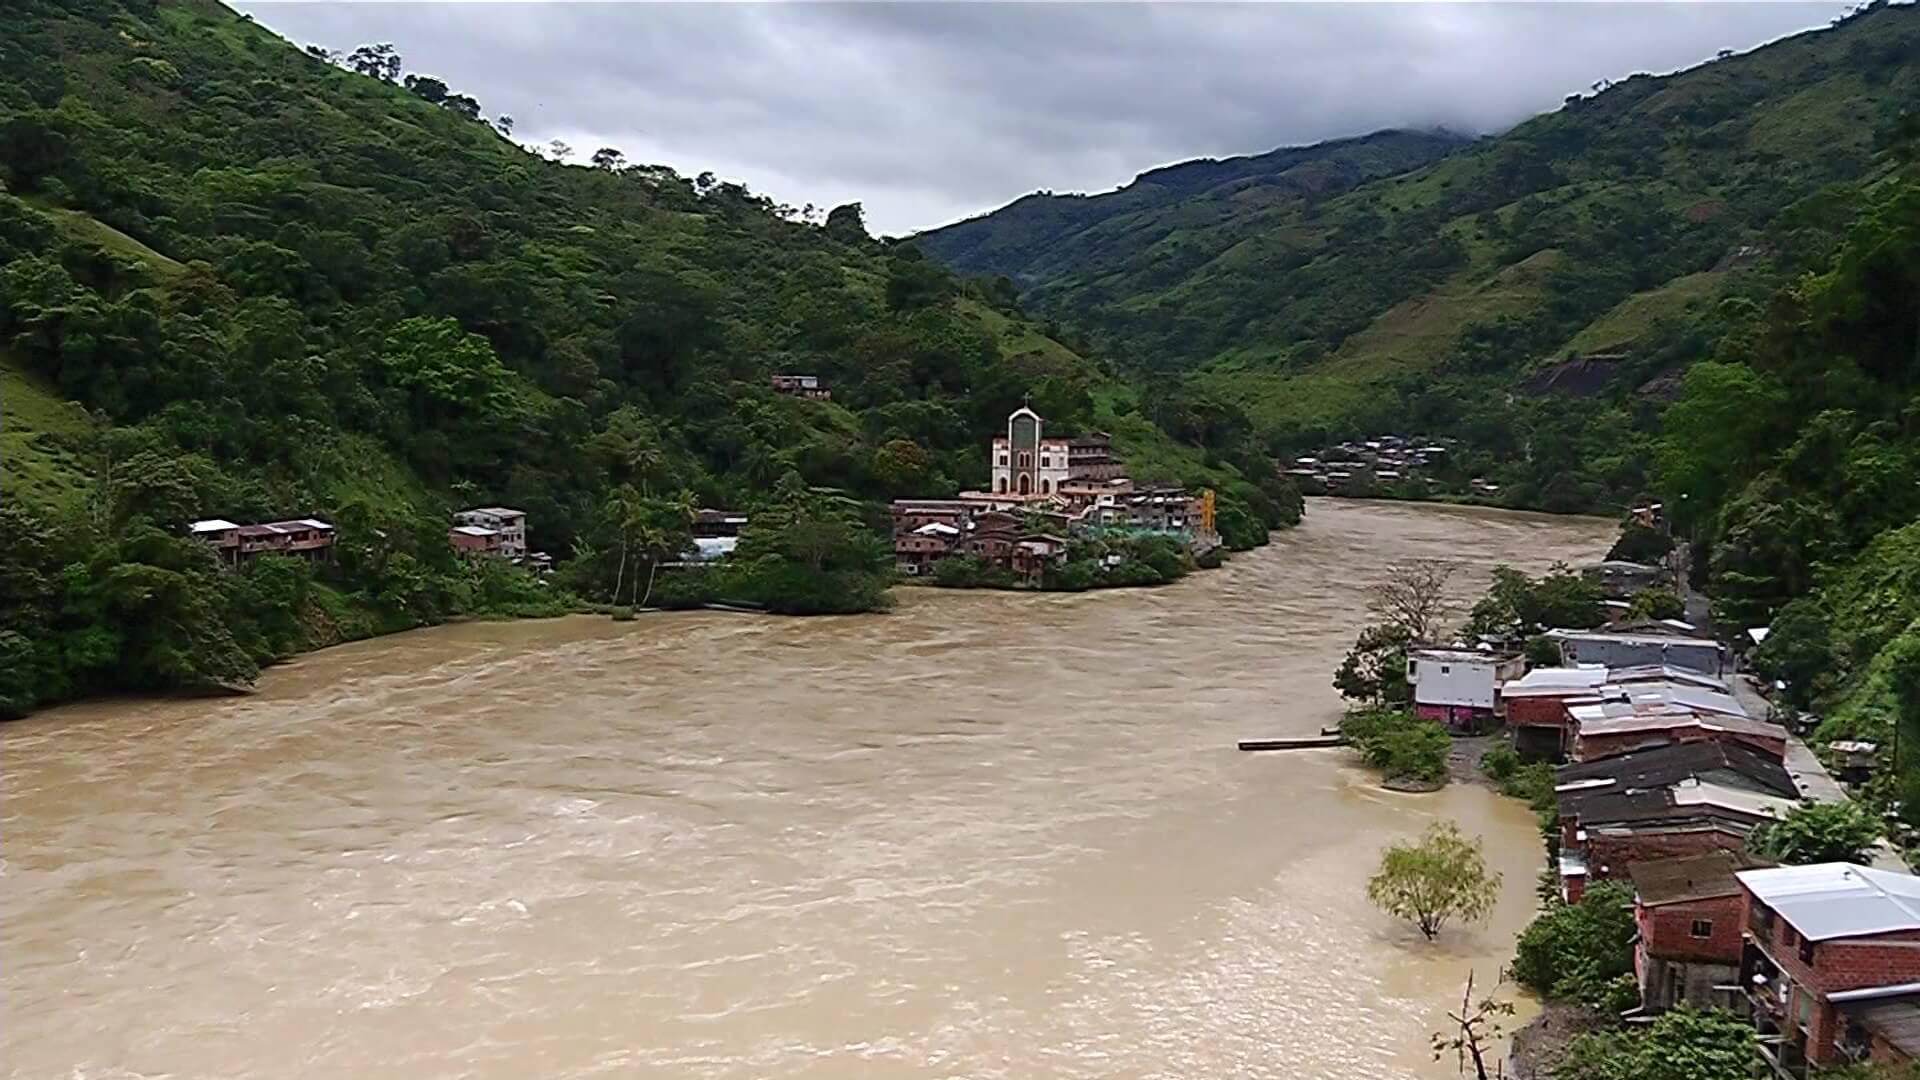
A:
(1298, 742)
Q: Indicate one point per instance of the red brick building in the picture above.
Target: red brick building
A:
(475, 540)
(308, 538)
(1536, 708)
(1690, 913)
(1831, 963)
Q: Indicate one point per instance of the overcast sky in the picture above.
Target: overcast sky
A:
(930, 112)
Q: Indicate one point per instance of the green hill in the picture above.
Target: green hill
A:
(1151, 225)
(1423, 294)
(239, 280)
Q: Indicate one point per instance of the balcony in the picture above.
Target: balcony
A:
(1782, 1044)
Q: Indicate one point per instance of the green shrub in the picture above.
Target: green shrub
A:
(1500, 762)
(1416, 752)
(1817, 833)
(1576, 951)
(622, 613)
(1682, 1044)
(678, 590)
(1398, 744)
(1542, 651)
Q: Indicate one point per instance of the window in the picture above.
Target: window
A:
(1787, 936)
(1702, 928)
(1806, 951)
(1446, 669)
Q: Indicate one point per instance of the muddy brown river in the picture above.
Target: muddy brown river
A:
(988, 835)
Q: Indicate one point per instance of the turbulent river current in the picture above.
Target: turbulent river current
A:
(987, 835)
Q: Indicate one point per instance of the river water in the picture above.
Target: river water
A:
(988, 835)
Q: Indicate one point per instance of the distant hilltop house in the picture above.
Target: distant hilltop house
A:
(490, 530)
(496, 531)
(308, 538)
(802, 386)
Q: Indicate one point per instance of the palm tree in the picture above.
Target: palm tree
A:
(621, 508)
(654, 538)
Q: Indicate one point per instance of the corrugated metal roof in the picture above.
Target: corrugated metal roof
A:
(212, 525)
(1837, 900)
(1555, 682)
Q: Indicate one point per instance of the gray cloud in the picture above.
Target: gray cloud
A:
(928, 112)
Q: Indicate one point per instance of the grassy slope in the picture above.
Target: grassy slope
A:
(40, 437)
(1634, 316)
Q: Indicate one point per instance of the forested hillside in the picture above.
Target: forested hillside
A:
(1792, 457)
(1618, 224)
(1047, 239)
(238, 279)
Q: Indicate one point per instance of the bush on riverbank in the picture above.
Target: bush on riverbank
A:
(1401, 746)
(1580, 952)
(1682, 1044)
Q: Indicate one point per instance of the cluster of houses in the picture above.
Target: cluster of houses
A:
(1043, 492)
(484, 531)
(1360, 467)
(1666, 775)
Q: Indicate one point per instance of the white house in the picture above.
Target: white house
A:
(510, 524)
(1459, 687)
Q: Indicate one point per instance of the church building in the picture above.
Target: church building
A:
(1025, 463)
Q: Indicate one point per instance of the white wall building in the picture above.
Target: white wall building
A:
(1459, 686)
(510, 524)
(1024, 462)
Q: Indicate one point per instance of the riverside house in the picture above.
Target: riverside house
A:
(1689, 912)
(508, 526)
(308, 538)
(1830, 962)
(1536, 707)
(1460, 687)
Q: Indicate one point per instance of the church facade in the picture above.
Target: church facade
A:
(1025, 462)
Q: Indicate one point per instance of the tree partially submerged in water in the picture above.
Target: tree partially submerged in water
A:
(1441, 878)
